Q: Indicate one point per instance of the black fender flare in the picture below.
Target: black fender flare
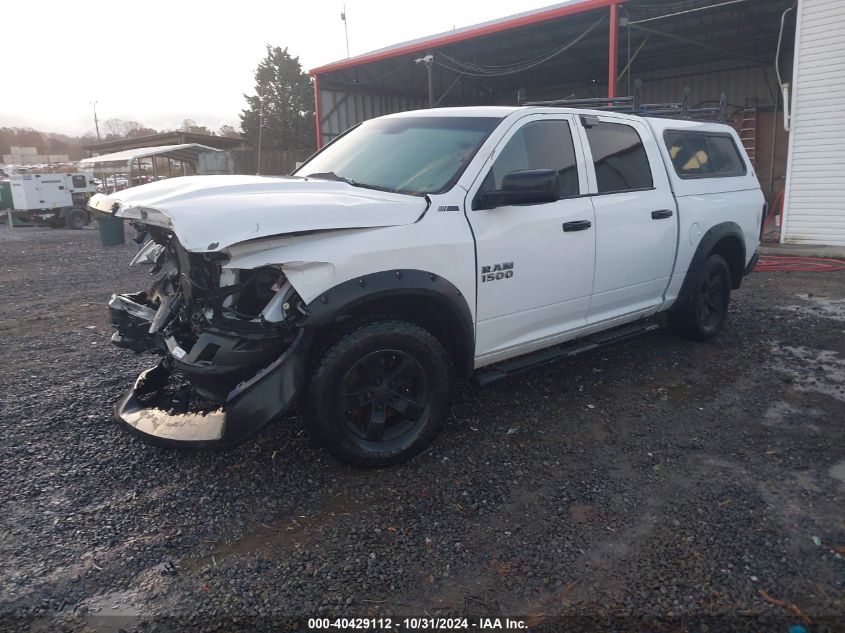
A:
(342, 299)
(705, 246)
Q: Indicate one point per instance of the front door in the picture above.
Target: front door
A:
(534, 261)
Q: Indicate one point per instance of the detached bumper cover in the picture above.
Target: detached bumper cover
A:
(145, 410)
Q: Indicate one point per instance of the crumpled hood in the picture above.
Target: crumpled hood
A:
(210, 213)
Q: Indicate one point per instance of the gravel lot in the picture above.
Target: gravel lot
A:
(656, 485)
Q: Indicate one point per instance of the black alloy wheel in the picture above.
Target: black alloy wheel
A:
(383, 395)
(711, 299)
(380, 393)
(702, 315)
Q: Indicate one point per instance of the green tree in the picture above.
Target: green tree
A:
(283, 102)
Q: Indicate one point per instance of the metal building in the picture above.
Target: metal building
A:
(596, 48)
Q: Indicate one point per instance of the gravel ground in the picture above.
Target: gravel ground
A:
(655, 485)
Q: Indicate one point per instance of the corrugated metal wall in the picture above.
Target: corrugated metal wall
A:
(705, 81)
(341, 110)
(704, 84)
(815, 180)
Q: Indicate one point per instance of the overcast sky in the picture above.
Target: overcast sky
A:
(159, 62)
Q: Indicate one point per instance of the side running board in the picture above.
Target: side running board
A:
(512, 367)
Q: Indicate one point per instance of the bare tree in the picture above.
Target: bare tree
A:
(228, 131)
(191, 126)
(141, 131)
(118, 128)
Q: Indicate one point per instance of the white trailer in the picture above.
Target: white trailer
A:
(55, 199)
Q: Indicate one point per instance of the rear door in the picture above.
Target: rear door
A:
(534, 261)
(636, 217)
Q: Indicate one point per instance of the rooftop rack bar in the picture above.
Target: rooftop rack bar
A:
(633, 105)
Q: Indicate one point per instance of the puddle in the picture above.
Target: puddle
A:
(819, 371)
(113, 612)
(289, 532)
(820, 307)
(837, 471)
(784, 414)
(581, 513)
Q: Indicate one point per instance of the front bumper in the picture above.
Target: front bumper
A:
(151, 412)
(250, 374)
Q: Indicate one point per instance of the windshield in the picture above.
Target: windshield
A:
(416, 155)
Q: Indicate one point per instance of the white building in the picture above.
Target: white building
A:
(30, 156)
(814, 199)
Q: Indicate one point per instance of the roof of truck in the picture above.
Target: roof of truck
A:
(504, 111)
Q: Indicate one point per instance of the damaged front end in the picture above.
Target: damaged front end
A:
(232, 352)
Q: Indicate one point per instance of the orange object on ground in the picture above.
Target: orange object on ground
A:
(784, 263)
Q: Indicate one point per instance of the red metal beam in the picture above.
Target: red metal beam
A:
(612, 51)
(426, 44)
(317, 113)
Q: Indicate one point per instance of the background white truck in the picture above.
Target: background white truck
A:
(458, 241)
(55, 199)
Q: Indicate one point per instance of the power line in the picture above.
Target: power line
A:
(475, 70)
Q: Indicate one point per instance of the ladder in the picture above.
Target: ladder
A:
(748, 129)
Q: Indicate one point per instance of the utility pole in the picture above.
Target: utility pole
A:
(260, 126)
(345, 29)
(96, 122)
(428, 60)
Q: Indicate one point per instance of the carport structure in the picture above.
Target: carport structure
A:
(581, 48)
(147, 164)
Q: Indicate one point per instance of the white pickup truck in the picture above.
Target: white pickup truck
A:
(418, 247)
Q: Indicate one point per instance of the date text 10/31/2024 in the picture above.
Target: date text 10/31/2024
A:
(413, 624)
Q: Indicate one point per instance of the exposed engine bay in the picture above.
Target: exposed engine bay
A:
(218, 332)
(245, 281)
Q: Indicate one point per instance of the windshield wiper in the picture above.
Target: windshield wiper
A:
(330, 175)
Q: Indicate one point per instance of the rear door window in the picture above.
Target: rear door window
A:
(619, 158)
(703, 155)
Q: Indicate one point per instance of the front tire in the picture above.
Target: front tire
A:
(76, 219)
(380, 393)
(703, 314)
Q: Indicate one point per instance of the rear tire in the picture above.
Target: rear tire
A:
(380, 393)
(76, 219)
(704, 312)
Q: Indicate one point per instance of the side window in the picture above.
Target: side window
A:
(538, 145)
(619, 157)
(701, 155)
(725, 156)
(689, 154)
(79, 182)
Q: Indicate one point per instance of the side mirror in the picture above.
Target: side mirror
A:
(529, 186)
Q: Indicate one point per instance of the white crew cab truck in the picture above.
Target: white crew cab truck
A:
(418, 247)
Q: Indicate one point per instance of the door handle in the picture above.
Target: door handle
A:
(663, 213)
(577, 225)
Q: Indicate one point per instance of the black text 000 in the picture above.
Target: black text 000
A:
(505, 274)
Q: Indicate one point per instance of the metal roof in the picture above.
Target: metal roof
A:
(188, 152)
(165, 138)
(422, 44)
